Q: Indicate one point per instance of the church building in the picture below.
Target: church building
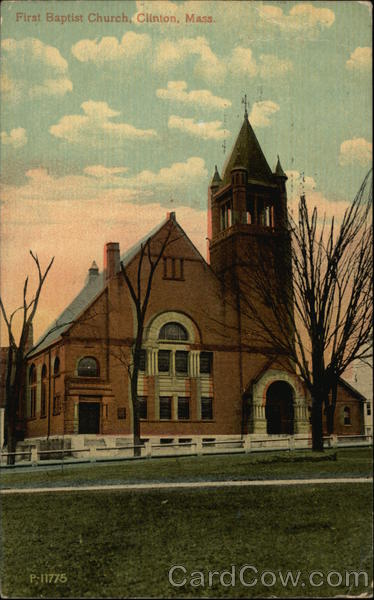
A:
(203, 375)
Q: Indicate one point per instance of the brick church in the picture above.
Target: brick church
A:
(202, 375)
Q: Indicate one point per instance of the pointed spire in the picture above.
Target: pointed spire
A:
(279, 171)
(216, 179)
(251, 156)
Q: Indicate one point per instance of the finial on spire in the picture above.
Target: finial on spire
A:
(246, 103)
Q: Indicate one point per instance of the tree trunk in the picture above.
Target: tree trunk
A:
(317, 427)
(135, 412)
(11, 426)
(330, 407)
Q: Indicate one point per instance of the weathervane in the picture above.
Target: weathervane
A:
(246, 105)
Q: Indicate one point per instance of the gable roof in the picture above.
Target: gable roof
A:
(92, 287)
(95, 284)
(352, 390)
(251, 156)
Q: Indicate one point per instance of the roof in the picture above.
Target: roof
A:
(251, 156)
(94, 285)
(352, 390)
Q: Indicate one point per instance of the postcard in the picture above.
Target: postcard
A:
(186, 298)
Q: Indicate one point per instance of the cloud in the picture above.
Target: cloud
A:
(360, 59)
(103, 172)
(177, 92)
(301, 17)
(109, 49)
(207, 130)
(305, 18)
(261, 113)
(96, 127)
(178, 175)
(355, 151)
(16, 138)
(33, 69)
(170, 54)
(41, 185)
(109, 184)
(242, 62)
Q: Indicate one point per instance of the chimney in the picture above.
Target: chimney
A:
(111, 259)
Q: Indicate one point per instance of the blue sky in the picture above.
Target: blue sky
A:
(105, 126)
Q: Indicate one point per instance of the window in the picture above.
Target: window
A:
(56, 404)
(206, 362)
(32, 383)
(142, 407)
(207, 409)
(56, 367)
(249, 211)
(121, 412)
(173, 331)
(173, 268)
(88, 367)
(368, 409)
(166, 440)
(268, 215)
(347, 416)
(164, 361)
(43, 398)
(181, 361)
(183, 408)
(184, 440)
(165, 408)
(142, 360)
(226, 215)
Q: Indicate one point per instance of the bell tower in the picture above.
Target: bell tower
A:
(248, 212)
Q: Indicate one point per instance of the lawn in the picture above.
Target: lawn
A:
(122, 544)
(352, 462)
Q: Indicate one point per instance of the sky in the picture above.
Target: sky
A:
(107, 124)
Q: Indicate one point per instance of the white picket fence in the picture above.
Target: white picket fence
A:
(35, 457)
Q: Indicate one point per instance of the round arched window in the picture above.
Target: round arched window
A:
(173, 331)
(88, 367)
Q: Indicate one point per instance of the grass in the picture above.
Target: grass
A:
(122, 544)
(352, 462)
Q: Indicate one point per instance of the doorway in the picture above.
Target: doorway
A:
(89, 417)
(279, 410)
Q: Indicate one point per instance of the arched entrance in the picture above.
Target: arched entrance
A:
(279, 408)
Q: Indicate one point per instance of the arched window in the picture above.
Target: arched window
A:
(347, 415)
(43, 397)
(32, 383)
(173, 331)
(88, 367)
(56, 405)
(56, 367)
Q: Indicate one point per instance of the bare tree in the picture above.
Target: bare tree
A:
(139, 282)
(324, 322)
(16, 362)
